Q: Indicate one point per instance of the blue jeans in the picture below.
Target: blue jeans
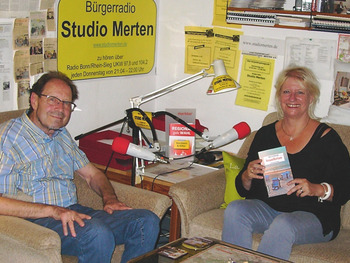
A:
(280, 230)
(137, 229)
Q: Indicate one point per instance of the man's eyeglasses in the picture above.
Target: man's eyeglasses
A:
(53, 101)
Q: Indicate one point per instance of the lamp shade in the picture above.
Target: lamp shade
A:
(222, 82)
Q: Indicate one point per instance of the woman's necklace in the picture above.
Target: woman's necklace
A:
(292, 137)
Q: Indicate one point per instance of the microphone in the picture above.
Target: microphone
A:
(123, 146)
(239, 131)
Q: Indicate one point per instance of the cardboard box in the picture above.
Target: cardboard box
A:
(98, 148)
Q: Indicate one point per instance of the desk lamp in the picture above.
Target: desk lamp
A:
(222, 82)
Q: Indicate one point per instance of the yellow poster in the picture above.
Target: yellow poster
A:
(106, 38)
(256, 82)
(226, 47)
(199, 48)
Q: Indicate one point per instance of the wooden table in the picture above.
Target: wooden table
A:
(158, 186)
(231, 253)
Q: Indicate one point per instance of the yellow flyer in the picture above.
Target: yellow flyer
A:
(256, 82)
(199, 48)
(226, 47)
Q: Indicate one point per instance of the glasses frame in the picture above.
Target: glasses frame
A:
(59, 101)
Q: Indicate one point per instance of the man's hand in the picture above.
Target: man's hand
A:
(114, 205)
(102, 186)
(68, 217)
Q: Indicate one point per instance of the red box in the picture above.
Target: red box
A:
(100, 153)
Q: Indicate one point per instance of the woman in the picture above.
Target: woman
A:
(320, 163)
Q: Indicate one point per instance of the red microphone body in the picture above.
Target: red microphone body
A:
(123, 146)
(239, 131)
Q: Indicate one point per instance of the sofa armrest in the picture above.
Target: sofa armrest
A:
(130, 195)
(198, 195)
(141, 198)
(23, 241)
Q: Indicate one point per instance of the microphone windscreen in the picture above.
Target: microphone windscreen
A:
(120, 145)
(242, 129)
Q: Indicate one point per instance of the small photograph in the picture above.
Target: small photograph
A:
(50, 54)
(38, 28)
(342, 89)
(22, 73)
(21, 41)
(36, 47)
(6, 85)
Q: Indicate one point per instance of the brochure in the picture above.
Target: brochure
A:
(197, 243)
(277, 171)
(181, 141)
(172, 252)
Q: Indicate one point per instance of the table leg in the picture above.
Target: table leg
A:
(175, 223)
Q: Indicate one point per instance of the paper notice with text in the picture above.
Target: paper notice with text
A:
(256, 82)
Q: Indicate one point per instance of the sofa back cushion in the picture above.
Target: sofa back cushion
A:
(8, 115)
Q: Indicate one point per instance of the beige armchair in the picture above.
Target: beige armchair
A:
(199, 200)
(23, 241)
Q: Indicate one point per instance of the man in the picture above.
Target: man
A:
(39, 157)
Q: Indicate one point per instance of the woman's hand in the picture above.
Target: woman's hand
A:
(304, 188)
(254, 171)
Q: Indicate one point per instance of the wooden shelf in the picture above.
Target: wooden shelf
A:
(309, 14)
(272, 11)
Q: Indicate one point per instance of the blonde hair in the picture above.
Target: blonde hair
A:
(307, 80)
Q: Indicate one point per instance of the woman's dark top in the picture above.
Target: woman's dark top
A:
(323, 159)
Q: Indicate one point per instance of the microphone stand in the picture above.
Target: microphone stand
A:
(137, 131)
(100, 129)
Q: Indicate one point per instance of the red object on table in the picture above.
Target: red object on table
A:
(100, 153)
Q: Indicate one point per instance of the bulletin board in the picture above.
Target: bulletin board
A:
(28, 48)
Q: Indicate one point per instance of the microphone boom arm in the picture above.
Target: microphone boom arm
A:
(100, 129)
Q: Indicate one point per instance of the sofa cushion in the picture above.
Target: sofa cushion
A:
(233, 166)
(337, 250)
(337, 115)
(208, 224)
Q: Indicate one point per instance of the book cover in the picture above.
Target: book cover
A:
(277, 171)
(172, 252)
(197, 243)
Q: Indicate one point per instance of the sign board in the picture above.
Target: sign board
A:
(106, 38)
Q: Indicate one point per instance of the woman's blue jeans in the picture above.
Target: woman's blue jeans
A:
(137, 229)
(280, 230)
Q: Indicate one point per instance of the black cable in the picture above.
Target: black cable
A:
(145, 117)
(156, 114)
(111, 158)
(176, 170)
(109, 162)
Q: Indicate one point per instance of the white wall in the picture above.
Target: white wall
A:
(218, 112)
(105, 100)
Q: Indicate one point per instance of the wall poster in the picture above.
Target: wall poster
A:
(256, 82)
(106, 38)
